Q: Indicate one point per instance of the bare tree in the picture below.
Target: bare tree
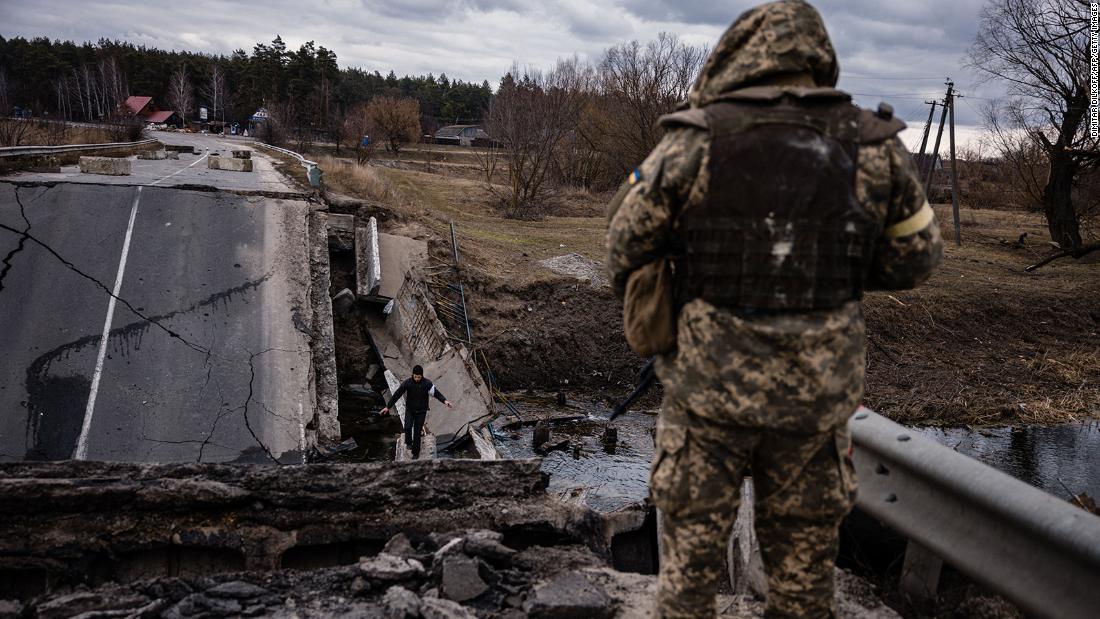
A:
(181, 95)
(531, 118)
(355, 127)
(637, 84)
(1040, 49)
(394, 120)
(216, 93)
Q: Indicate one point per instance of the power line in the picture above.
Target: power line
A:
(874, 77)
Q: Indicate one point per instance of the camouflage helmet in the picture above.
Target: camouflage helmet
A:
(772, 39)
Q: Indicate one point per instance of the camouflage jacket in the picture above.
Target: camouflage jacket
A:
(798, 372)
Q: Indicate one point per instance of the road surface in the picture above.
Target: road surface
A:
(188, 169)
(207, 353)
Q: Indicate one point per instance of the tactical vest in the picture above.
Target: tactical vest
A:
(780, 228)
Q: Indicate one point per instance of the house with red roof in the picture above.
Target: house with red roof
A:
(145, 109)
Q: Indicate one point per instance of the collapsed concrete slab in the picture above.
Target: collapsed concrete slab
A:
(109, 166)
(412, 335)
(228, 164)
(368, 261)
(398, 256)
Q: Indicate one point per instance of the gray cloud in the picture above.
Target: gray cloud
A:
(480, 39)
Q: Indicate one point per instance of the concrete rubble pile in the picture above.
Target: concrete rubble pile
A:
(430, 539)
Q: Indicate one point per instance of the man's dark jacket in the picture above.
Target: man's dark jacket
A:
(416, 395)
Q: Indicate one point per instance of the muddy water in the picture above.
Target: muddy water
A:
(605, 480)
(1058, 459)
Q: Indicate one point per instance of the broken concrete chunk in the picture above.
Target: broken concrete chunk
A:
(242, 154)
(104, 601)
(229, 164)
(155, 155)
(489, 549)
(570, 596)
(389, 568)
(109, 166)
(438, 608)
(541, 434)
(399, 546)
(237, 589)
(452, 545)
(461, 581)
(401, 603)
(198, 604)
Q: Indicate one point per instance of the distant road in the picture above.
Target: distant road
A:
(206, 355)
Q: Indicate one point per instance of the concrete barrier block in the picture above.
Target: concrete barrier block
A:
(154, 155)
(180, 148)
(171, 154)
(229, 164)
(110, 166)
(242, 154)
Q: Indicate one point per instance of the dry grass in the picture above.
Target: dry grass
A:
(493, 245)
(353, 179)
(41, 133)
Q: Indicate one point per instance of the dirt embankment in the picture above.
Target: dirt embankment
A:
(554, 334)
(983, 342)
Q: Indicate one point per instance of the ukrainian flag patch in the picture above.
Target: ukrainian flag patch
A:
(634, 177)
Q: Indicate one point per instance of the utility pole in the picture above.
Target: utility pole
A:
(927, 126)
(954, 166)
(939, 135)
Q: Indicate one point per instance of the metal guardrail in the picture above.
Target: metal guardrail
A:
(313, 171)
(1033, 548)
(20, 151)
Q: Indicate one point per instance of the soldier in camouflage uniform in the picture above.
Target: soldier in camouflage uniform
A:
(780, 202)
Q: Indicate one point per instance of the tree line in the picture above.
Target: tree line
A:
(89, 81)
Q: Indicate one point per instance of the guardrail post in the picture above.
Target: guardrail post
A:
(920, 572)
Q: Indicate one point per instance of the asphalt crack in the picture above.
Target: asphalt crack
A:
(72, 267)
(248, 400)
(22, 240)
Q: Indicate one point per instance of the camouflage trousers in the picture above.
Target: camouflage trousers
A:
(804, 484)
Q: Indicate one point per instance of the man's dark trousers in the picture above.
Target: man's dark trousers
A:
(414, 428)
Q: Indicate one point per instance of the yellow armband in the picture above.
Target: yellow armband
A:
(912, 224)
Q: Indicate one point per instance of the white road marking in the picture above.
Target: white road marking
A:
(301, 432)
(179, 170)
(81, 452)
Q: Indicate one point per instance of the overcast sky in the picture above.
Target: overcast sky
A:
(888, 49)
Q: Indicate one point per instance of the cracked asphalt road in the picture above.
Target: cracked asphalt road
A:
(204, 297)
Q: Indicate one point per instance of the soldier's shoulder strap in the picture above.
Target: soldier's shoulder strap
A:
(692, 117)
(879, 125)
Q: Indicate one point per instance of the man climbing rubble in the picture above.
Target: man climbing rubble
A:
(775, 202)
(417, 391)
